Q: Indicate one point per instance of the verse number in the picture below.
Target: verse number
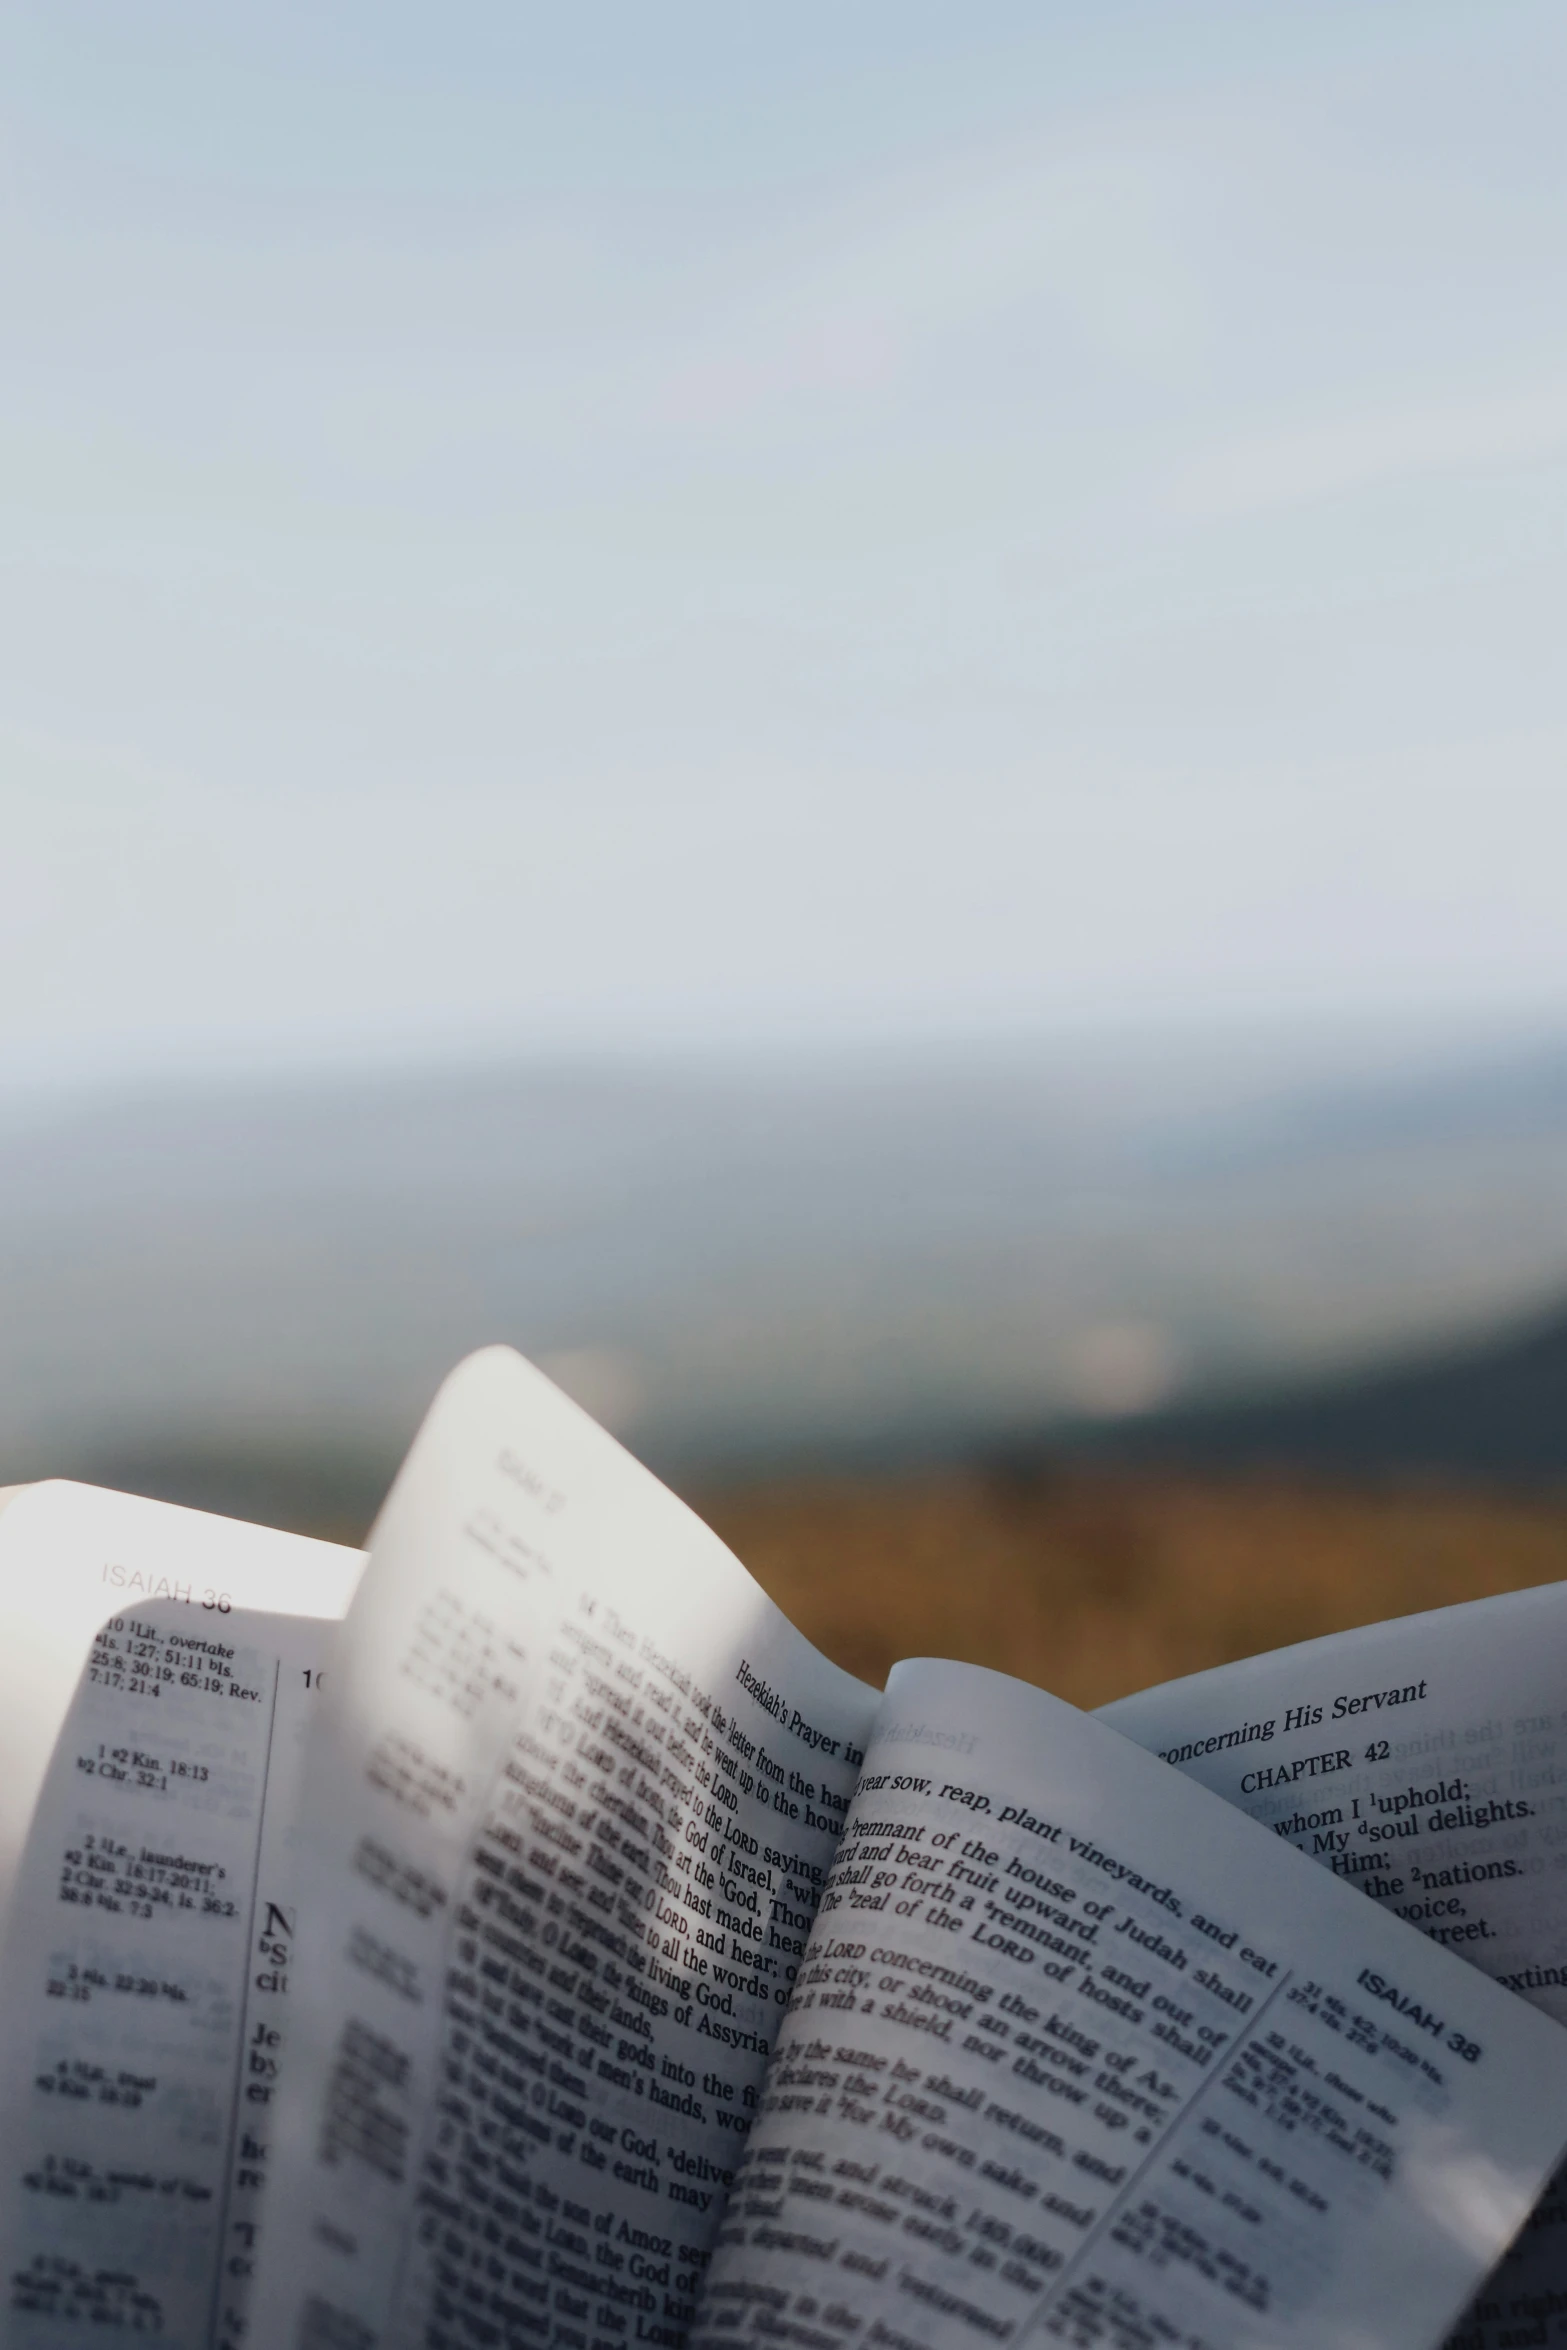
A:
(1378, 1750)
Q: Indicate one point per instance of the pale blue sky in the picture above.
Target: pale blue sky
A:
(667, 527)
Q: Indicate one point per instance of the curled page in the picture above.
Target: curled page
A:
(1078, 2051)
(574, 1791)
(1423, 1761)
(160, 1666)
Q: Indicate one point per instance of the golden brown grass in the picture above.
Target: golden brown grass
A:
(1094, 1583)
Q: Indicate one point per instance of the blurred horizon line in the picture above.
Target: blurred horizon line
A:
(1337, 1039)
(753, 1257)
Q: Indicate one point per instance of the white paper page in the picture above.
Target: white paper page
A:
(1425, 1761)
(152, 1704)
(1078, 2050)
(576, 1785)
(71, 1555)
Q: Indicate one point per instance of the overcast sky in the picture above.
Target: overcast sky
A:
(555, 527)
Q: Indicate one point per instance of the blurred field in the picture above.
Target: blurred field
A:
(1096, 1583)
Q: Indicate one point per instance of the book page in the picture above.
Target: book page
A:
(575, 1788)
(1078, 2052)
(1425, 1762)
(159, 1668)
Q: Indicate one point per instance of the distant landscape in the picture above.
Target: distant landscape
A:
(252, 1293)
(1103, 1365)
(1097, 1583)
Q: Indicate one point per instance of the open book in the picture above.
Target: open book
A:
(562, 1952)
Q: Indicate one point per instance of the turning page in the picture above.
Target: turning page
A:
(575, 1788)
(1076, 2050)
(159, 1668)
(1425, 1762)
